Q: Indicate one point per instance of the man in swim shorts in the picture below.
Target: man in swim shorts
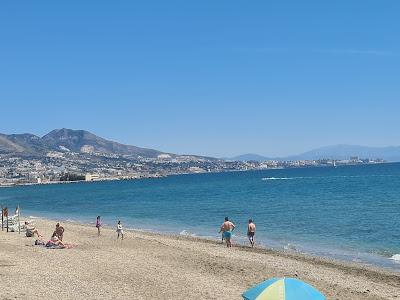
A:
(251, 231)
(226, 228)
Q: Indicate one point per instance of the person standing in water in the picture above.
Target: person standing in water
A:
(120, 231)
(226, 228)
(98, 225)
(251, 231)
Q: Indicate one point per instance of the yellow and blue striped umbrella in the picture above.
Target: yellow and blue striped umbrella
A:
(283, 289)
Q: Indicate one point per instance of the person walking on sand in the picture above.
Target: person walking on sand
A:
(98, 225)
(120, 231)
(251, 231)
(226, 228)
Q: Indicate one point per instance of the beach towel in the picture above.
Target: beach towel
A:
(51, 245)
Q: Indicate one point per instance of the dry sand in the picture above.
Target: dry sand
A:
(152, 266)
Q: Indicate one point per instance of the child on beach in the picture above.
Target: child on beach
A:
(120, 231)
(98, 225)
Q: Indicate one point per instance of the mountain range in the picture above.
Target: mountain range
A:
(338, 152)
(81, 141)
(68, 140)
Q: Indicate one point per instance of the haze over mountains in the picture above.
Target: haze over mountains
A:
(339, 152)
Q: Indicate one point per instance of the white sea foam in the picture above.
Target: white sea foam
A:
(290, 247)
(287, 178)
(396, 258)
(187, 233)
(277, 178)
(33, 217)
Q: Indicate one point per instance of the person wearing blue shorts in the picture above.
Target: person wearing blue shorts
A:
(226, 228)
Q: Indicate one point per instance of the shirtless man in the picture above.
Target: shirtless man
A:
(59, 232)
(226, 228)
(251, 231)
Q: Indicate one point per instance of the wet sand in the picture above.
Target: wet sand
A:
(153, 266)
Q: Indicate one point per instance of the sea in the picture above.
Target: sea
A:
(349, 213)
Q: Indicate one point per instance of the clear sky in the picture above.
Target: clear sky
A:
(216, 78)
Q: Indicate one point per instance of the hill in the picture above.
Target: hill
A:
(338, 152)
(80, 141)
(391, 154)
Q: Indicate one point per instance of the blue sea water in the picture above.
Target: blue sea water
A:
(349, 212)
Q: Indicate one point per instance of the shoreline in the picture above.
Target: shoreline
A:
(2, 185)
(164, 266)
(328, 261)
(375, 262)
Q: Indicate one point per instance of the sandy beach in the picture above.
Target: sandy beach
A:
(153, 266)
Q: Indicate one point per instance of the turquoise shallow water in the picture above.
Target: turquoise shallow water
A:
(351, 212)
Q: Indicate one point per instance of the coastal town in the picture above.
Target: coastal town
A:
(67, 166)
(201, 150)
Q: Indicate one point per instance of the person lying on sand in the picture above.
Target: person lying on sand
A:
(54, 241)
(226, 228)
(31, 230)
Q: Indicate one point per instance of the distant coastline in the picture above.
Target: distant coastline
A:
(72, 155)
(2, 185)
(16, 184)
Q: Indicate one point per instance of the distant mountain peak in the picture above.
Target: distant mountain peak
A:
(82, 141)
(345, 151)
(65, 139)
(338, 152)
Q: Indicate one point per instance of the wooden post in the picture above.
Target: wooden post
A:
(6, 213)
(19, 222)
(2, 219)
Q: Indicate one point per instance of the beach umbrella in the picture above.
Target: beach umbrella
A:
(283, 289)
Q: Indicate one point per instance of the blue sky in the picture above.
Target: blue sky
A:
(213, 77)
